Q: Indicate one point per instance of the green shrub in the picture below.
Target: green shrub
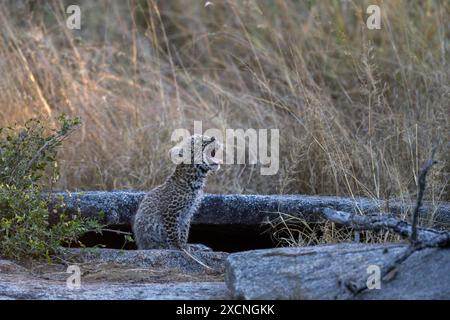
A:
(27, 156)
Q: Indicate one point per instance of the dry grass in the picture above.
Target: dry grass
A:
(292, 231)
(357, 108)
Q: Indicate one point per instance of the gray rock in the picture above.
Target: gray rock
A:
(120, 206)
(320, 272)
(161, 259)
(20, 287)
(119, 275)
(7, 266)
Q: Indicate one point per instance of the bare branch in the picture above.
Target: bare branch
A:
(388, 269)
(379, 222)
(422, 184)
(56, 139)
(420, 237)
(426, 238)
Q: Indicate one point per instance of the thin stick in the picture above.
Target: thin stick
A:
(196, 260)
(422, 184)
(117, 231)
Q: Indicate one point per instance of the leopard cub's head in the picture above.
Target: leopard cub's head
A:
(199, 151)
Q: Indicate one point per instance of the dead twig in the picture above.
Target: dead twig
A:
(422, 185)
(420, 238)
(379, 222)
(427, 238)
(53, 141)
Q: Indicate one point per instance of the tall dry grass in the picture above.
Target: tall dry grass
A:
(357, 109)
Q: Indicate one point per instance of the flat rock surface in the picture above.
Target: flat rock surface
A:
(118, 275)
(320, 272)
(317, 272)
(23, 287)
(159, 259)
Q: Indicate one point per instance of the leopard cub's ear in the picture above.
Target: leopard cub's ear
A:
(177, 155)
(176, 152)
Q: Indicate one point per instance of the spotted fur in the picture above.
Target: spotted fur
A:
(164, 215)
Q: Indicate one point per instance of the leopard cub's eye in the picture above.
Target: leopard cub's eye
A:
(213, 153)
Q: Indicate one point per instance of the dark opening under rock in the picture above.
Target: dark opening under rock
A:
(225, 238)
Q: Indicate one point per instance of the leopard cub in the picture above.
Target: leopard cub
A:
(164, 215)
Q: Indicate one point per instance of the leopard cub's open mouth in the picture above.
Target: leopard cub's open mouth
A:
(211, 156)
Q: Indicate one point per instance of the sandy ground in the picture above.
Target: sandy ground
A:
(108, 272)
